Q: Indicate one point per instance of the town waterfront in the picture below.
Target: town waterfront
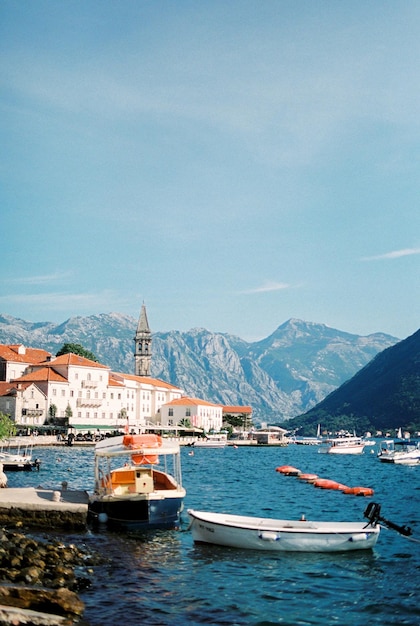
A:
(163, 579)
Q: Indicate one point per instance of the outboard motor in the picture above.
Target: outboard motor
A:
(373, 514)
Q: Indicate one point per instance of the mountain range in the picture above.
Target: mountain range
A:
(383, 395)
(281, 376)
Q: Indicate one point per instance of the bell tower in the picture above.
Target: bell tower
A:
(143, 345)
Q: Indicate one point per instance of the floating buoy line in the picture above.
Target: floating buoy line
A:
(324, 483)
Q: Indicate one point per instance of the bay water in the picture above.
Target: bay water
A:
(162, 579)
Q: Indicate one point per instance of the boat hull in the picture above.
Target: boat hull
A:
(281, 535)
(342, 445)
(342, 450)
(136, 513)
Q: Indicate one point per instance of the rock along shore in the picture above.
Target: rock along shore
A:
(38, 580)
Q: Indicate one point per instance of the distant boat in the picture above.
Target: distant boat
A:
(274, 535)
(404, 452)
(342, 445)
(18, 458)
(308, 441)
(211, 441)
(137, 495)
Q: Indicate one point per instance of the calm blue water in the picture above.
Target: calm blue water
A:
(163, 579)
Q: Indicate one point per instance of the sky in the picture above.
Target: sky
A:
(231, 165)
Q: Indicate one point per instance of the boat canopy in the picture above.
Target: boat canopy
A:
(115, 447)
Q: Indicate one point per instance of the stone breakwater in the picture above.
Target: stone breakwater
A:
(43, 576)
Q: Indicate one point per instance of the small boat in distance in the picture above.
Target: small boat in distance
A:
(274, 535)
(16, 457)
(137, 495)
(211, 441)
(404, 452)
(308, 441)
(342, 445)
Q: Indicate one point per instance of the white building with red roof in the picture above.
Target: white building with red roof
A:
(82, 392)
(199, 413)
(14, 359)
(24, 399)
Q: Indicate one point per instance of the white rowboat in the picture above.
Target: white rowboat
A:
(259, 533)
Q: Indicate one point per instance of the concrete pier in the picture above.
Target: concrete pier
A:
(34, 506)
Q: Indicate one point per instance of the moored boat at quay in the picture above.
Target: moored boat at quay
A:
(403, 452)
(16, 457)
(342, 445)
(137, 495)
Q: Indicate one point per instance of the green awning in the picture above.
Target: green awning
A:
(95, 427)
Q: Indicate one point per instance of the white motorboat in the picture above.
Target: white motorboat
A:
(274, 535)
(404, 452)
(211, 441)
(137, 495)
(342, 445)
(18, 458)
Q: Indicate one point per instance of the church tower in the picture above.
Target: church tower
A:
(143, 345)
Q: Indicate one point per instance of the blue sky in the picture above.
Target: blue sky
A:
(231, 164)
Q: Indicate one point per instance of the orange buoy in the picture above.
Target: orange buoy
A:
(324, 483)
(359, 491)
(309, 478)
(288, 470)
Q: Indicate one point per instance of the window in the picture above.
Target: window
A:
(188, 411)
(63, 392)
(170, 412)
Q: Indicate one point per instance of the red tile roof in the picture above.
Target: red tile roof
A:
(148, 380)
(237, 409)
(10, 388)
(10, 352)
(46, 374)
(185, 401)
(73, 359)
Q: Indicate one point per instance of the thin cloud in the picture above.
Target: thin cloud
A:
(62, 301)
(40, 280)
(395, 254)
(268, 286)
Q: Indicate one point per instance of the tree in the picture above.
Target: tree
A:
(7, 426)
(77, 348)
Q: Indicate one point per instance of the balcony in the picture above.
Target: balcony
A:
(32, 412)
(91, 402)
(89, 384)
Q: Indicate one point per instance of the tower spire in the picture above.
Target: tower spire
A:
(143, 345)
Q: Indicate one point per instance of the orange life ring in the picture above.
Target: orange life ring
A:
(144, 459)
